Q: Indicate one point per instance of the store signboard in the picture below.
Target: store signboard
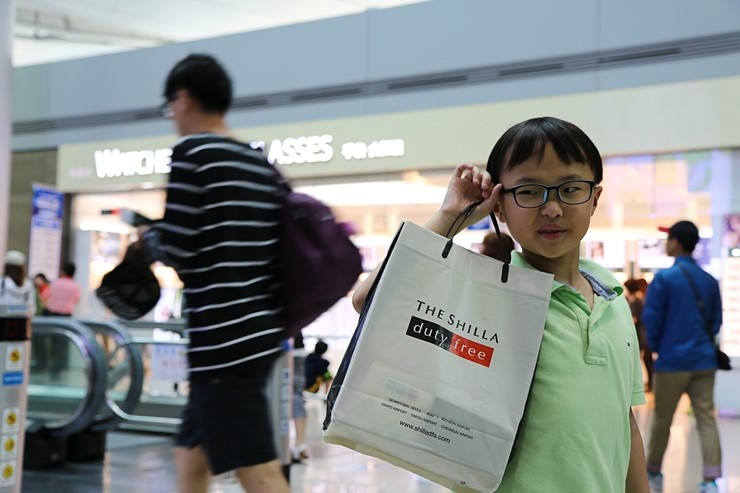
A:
(440, 138)
(46, 231)
(114, 165)
(85, 168)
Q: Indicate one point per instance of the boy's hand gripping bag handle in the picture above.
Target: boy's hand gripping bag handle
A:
(454, 229)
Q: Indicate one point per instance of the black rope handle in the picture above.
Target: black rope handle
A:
(454, 229)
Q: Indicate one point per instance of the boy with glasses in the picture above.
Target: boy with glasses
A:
(578, 432)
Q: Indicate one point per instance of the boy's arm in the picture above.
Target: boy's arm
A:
(467, 185)
(637, 481)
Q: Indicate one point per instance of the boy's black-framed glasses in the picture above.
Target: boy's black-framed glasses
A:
(571, 192)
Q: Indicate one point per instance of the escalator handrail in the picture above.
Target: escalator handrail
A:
(95, 365)
(145, 419)
(177, 327)
(136, 386)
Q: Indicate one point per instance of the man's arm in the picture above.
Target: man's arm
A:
(637, 481)
(653, 313)
(172, 240)
(717, 306)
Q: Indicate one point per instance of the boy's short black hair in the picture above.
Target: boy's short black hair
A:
(530, 138)
(321, 347)
(204, 78)
(69, 268)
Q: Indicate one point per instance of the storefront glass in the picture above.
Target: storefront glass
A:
(640, 194)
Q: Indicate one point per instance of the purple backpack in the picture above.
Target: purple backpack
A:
(319, 261)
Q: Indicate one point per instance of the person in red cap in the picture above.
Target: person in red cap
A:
(682, 302)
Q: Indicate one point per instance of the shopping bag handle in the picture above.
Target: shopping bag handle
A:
(455, 228)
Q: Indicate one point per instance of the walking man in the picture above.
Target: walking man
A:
(220, 232)
(683, 307)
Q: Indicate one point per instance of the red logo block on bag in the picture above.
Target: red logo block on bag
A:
(458, 345)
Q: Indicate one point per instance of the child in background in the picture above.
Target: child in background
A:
(498, 248)
(543, 180)
(317, 369)
(43, 289)
(636, 300)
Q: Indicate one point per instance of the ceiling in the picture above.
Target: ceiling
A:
(53, 30)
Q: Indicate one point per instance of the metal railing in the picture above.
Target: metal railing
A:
(86, 400)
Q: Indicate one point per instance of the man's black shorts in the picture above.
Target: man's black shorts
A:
(230, 418)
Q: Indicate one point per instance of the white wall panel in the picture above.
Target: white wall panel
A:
(633, 22)
(431, 37)
(452, 34)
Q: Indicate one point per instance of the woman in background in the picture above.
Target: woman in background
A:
(635, 295)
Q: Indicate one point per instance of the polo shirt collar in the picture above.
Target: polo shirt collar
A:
(602, 281)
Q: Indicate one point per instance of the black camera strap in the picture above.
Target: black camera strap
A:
(699, 302)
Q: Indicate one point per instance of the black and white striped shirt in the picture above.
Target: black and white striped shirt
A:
(221, 233)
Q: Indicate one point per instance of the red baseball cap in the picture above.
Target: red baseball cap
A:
(682, 229)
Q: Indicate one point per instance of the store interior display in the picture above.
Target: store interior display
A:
(640, 193)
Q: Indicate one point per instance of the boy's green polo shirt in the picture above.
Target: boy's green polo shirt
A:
(575, 434)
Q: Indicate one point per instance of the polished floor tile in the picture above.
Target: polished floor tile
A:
(143, 464)
(682, 465)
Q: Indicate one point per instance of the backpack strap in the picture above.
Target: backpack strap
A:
(699, 302)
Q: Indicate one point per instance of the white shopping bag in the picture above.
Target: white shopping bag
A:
(437, 376)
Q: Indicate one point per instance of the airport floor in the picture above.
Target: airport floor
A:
(142, 463)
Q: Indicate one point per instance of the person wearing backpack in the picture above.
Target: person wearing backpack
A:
(221, 233)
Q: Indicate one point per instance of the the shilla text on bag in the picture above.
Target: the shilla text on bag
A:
(453, 321)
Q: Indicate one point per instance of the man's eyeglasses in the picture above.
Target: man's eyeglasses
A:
(572, 192)
(165, 108)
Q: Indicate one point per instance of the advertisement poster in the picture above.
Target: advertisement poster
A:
(610, 254)
(651, 253)
(731, 236)
(46, 232)
(731, 286)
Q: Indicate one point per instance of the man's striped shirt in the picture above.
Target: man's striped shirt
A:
(221, 233)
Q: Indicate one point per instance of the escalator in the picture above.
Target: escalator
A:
(84, 379)
(126, 402)
(90, 375)
(65, 390)
(83, 375)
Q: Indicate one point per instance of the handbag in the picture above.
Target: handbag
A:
(130, 290)
(723, 361)
(438, 370)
